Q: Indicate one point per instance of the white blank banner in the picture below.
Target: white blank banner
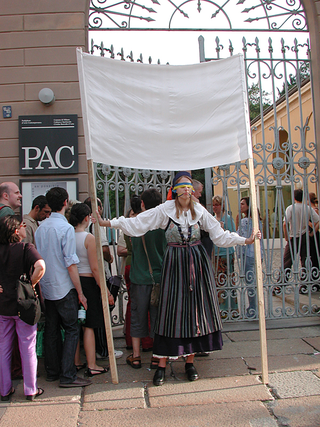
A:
(164, 117)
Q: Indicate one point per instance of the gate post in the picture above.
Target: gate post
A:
(257, 256)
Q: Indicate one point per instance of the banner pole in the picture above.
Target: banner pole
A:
(260, 296)
(104, 296)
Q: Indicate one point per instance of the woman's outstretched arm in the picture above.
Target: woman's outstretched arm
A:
(148, 220)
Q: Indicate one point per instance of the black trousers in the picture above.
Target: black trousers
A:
(298, 244)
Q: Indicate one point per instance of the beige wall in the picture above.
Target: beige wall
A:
(312, 8)
(37, 49)
(38, 40)
(268, 134)
(284, 120)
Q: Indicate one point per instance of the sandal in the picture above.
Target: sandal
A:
(93, 372)
(134, 362)
(154, 363)
(7, 396)
(33, 396)
(79, 367)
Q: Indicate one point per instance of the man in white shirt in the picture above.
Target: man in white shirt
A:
(296, 222)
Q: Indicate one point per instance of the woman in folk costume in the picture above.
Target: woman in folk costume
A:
(188, 314)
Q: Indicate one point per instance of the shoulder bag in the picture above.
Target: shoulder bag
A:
(29, 307)
(155, 293)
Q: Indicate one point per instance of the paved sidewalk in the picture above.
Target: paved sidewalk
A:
(228, 393)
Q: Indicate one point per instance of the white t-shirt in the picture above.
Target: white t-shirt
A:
(104, 242)
(302, 215)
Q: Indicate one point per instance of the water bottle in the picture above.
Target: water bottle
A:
(82, 315)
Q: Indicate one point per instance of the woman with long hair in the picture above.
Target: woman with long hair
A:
(16, 259)
(224, 263)
(246, 256)
(188, 319)
(90, 282)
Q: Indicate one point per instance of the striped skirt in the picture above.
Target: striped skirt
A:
(188, 315)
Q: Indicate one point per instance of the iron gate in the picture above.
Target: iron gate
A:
(279, 84)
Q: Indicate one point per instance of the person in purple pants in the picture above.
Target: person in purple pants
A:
(17, 258)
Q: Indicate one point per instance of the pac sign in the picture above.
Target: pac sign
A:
(48, 144)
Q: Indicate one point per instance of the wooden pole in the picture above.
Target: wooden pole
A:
(104, 294)
(260, 296)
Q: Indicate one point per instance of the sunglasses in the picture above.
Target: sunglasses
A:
(23, 224)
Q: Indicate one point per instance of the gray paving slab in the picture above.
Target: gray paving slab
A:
(294, 384)
(275, 347)
(288, 346)
(297, 412)
(111, 396)
(214, 368)
(216, 390)
(314, 342)
(291, 362)
(212, 415)
(312, 331)
(52, 392)
(44, 415)
(242, 336)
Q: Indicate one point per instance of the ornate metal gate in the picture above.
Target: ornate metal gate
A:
(279, 84)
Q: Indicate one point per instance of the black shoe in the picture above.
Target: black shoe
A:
(51, 379)
(7, 397)
(158, 377)
(78, 382)
(192, 373)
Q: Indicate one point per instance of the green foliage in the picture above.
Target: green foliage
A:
(254, 100)
(304, 72)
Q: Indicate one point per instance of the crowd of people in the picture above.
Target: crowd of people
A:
(177, 244)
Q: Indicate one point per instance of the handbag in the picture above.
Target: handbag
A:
(155, 292)
(113, 284)
(29, 307)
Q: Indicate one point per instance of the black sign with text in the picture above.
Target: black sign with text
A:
(48, 144)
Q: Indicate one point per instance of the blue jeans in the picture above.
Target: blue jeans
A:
(59, 360)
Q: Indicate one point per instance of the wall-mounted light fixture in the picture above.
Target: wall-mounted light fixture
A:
(46, 96)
